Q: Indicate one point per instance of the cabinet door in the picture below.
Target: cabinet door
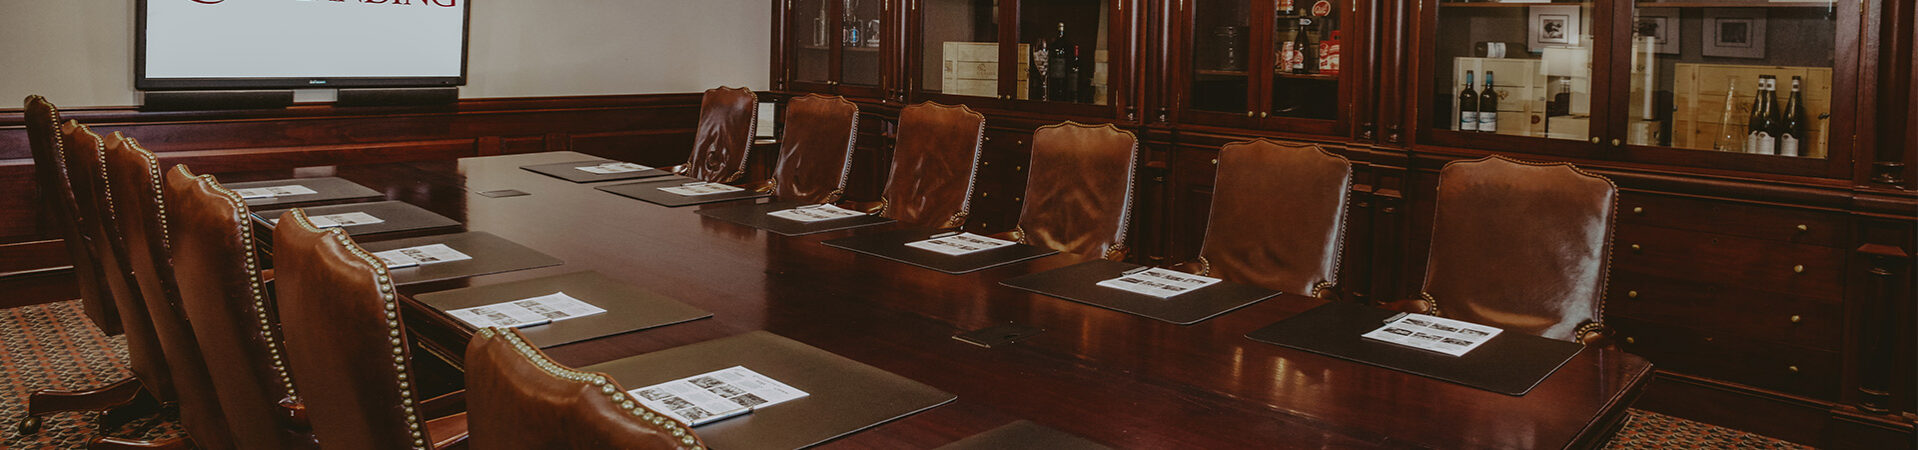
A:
(959, 52)
(1218, 60)
(1303, 88)
(1515, 76)
(814, 34)
(1066, 55)
(1746, 86)
(837, 46)
(860, 58)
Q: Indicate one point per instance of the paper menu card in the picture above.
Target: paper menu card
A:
(815, 213)
(527, 312)
(959, 243)
(700, 399)
(274, 191)
(344, 220)
(1157, 282)
(613, 168)
(425, 254)
(701, 188)
(1439, 334)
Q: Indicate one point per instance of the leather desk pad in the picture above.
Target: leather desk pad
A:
(845, 396)
(628, 308)
(1079, 283)
(892, 245)
(755, 216)
(491, 254)
(649, 191)
(397, 216)
(327, 190)
(569, 171)
(1511, 363)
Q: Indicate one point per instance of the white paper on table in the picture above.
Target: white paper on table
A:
(557, 306)
(613, 168)
(1439, 334)
(711, 396)
(959, 244)
(1157, 282)
(504, 315)
(701, 188)
(815, 213)
(274, 191)
(344, 220)
(425, 254)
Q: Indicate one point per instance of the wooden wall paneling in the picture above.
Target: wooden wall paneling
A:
(1883, 309)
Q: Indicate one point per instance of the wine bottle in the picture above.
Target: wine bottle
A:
(1075, 77)
(1059, 65)
(1791, 132)
(1468, 106)
(1760, 130)
(1488, 106)
(1308, 48)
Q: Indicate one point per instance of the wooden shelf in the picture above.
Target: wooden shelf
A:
(1307, 76)
(1687, 4)
(1220, 73)
(850, 49)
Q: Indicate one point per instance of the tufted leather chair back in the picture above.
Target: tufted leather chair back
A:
(517, 398)
(234, 317)
(815, 155)
(345, 347)
(934, 165)
(144, 355)
(1521, 246)
(1079, 190)
(727, 118)
(53, 179)
(1278, 216)
(138, 218)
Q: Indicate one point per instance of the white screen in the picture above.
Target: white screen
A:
(304, 38)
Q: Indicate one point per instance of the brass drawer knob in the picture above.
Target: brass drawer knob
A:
(1803, 228)
(1629, 340)
(1594, 139)
(1637, 249)
(1639, 210)
(1793, 369)
(1631, 294)
(1798, 268)
(1215, 161)
(1796, 318)
(985, 195)
(1251, 113)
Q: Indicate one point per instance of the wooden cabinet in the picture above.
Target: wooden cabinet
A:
(1275, 65)
(841, 47)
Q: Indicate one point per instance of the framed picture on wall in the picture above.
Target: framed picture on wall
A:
(1553, 26)
(1735, 32)
(1661, 24)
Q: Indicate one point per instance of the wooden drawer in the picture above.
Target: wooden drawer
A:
(1730, 309)
(1783, 368)
(1736, 219)
(1804, 271)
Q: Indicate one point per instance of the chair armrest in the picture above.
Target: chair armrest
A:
(865, 207)
(294, 412)
(452, 403)
(762, 186)
(1195, 267)
(1411, 305)
(1596, 334)
(448, 432)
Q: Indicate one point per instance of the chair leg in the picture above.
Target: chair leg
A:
(122, 398)
(112, 443)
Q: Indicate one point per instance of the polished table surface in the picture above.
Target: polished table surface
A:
(1114, 378)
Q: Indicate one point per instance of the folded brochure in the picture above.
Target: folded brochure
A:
(959, 243)
(1158, 282)
(701, 188)
(274, 191)
(704, 398)
(613, 168)
(526, 312)
(1438, 334)
(425, 254)
(340, 220)
(815, 213)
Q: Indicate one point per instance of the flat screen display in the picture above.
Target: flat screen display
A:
(211, 44)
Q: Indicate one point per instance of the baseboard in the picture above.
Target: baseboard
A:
(35, 287)
(1800, 420)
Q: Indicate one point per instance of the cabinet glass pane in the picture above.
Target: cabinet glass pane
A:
(859, 42)
(1220, 31)
(1305, 50)
(1064, 50)
(1749, 79)
(1535, 58)
(812, 59)
(960, 47)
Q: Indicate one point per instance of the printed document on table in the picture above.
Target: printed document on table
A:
(959, 244)
(815, 213)
(1439, 334)
(1157, 282)
(704, 398)
(425, 254)
(344, 220)
(274, 191)
(527, 312)
(701, 188)
(613, 168)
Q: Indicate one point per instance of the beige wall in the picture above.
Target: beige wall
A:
(79, 53)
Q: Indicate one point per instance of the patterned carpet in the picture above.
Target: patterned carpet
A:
(53, 346)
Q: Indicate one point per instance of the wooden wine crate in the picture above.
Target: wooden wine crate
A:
(1520, 86)
(972, 68)
(1699, 99)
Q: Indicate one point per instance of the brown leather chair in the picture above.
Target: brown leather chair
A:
(135, 213)
(234, 317)
(521, 399)
(1079, 190)
(934, 166)
(1278, 217)
(345, 346)
(52, 177)
(727, 121)
(815, 155)
(1521, 246)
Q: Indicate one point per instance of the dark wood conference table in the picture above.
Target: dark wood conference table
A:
(1118, 379)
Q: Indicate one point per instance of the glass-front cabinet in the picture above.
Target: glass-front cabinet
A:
(1273, 64)
(1057, 56)
(1741, 85)
(837, 46)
